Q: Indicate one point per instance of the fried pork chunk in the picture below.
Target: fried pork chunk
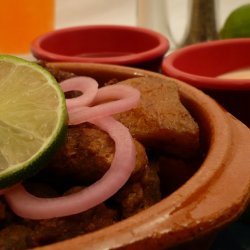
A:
(137, 196)
(23, 234)
(87, 154)
(160, 120)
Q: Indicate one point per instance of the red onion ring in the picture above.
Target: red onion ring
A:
(127, 96)
(28, 206)
(87, 85)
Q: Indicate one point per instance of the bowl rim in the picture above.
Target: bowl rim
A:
(157, 221)
(199, 81)
(158, 51)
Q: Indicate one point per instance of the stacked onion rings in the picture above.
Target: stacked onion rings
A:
(95, 106)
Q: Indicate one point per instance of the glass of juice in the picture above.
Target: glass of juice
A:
(23, 20)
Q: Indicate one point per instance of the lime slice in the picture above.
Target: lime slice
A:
(237, 23)
(32, 118)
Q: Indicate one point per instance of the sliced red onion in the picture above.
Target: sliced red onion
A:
(87, 85)
(120, 98)
(110, 100)
(28, 206)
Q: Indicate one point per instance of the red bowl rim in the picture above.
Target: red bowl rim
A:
(156, 52)
(204, 82)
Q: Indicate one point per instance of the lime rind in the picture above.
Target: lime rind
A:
(237, 23)
(22, 170)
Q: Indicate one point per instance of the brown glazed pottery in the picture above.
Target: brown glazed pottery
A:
(214, 196)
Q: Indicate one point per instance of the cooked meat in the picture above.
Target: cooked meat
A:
(87, 155)
(160, 120)
(58, 229)
(137, 196)
(23, 234)
(15, 237)
(60, 75)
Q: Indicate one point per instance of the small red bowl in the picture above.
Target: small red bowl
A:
(111, 44)
(201, 64)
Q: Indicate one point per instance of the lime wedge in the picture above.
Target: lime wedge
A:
(32, 118)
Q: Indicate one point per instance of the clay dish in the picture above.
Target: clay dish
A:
(214, 196)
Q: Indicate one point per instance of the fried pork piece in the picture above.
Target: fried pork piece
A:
(160, 120)
(58, 229)
(59, 75)
(137, 196)
(18, 233)
(87, 155)
(15, 237)
(32, 233)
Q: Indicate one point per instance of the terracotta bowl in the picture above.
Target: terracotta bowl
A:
(214, 196)
(201, 64)
(113, 44)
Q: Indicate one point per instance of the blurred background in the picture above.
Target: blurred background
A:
(172, 18)
(81, 12)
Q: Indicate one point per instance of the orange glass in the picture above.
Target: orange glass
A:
(23, 20)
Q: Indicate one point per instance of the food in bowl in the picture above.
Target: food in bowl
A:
(192, 214)
(159, 119)
(236, 74)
